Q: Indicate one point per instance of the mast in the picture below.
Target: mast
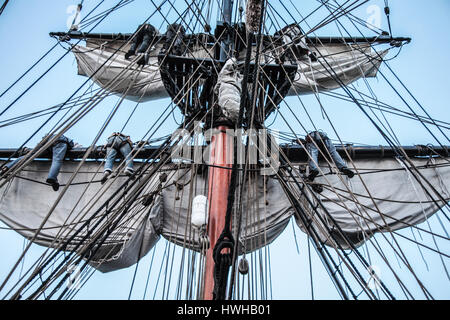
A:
(219, 178)
(218, 187)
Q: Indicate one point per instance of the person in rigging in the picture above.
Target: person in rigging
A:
(318, 139)
(174, 37)
(58, 151)
(118, 143)
(294, 45)
(142, 39)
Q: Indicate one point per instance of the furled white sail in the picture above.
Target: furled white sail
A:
(115, 74)
(110, 70)
(344, 62)
(385, 198)
(26, 202)
(265, 211)
(388, 200)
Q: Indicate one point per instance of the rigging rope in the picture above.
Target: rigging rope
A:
(262, 286)
(3, 6)
(294, 115)
(387, 11)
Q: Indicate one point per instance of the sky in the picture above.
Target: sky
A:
(422, 65)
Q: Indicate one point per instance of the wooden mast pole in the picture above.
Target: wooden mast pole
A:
(221, 148)
(218, 187)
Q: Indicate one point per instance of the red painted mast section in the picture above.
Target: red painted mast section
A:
(221, 148)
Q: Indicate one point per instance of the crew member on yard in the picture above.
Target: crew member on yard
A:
(316, 139)
(58, 151)
(118, 143)
(142, 39)
(174, 40)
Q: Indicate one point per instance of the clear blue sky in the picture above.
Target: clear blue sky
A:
(423, 65)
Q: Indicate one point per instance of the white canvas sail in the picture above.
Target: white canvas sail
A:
(26, 202)
(396, 201)
(386, 198)
(110, 70)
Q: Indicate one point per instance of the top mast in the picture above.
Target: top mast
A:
(225, 49)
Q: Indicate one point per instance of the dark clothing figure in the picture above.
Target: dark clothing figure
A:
(174, 40)
(142, 39)
(294, 45)
(320, 139)
(118, 143)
